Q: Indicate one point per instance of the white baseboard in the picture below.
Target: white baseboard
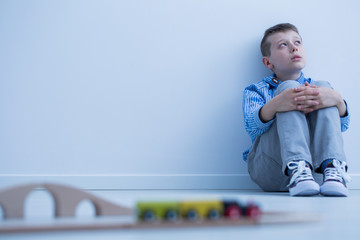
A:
(147, 182)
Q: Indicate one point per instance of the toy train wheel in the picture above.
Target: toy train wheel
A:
(253, 211)
(233, 212)
(192, 215)
(149, 216)
(172, 215)
(213, 214)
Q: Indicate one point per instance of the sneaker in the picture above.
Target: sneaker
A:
(302, 182)
(335, 180)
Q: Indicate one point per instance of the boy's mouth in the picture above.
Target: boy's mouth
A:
(296, 57)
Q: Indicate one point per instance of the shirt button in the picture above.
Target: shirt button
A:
(274, 80)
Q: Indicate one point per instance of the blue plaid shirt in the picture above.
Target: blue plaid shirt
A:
(257, 95)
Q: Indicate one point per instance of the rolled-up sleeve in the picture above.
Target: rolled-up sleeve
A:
(252, 103)
(345, 121)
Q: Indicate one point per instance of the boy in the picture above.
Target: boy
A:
(295, 123)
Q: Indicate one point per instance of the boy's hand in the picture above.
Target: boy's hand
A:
(306, 98)
(325, 97)
(285, 102)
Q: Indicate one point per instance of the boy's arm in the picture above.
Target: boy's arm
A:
(286, 101)
(253, 101)
(327, 97)
(259, 114)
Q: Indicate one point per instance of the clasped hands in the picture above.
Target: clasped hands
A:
(308, 98)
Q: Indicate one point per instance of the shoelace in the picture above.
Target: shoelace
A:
(337, 172)
(301, 172)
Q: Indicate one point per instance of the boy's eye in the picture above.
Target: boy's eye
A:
(298, 42)
(283, 45)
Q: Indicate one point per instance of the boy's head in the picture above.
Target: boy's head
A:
(283, 52)
(266, 44)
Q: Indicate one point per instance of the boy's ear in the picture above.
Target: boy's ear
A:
(267, 63)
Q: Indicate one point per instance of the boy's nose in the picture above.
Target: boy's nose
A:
(294, 48)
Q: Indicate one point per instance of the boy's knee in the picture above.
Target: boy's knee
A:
(321, 84)
(286, 85)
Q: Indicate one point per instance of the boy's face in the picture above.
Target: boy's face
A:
(287, 53)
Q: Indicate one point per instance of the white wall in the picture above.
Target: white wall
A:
(148, 94)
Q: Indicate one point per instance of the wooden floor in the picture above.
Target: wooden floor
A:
(335, 218)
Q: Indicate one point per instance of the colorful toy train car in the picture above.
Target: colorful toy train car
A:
(196, 210)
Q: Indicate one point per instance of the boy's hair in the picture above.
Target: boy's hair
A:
(282, 27)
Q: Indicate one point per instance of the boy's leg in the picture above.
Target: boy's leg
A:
(265, 164)
(325, 131)
(328, 149)
(287, 140)
(293, 131)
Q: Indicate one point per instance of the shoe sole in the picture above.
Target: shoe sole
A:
(335, 189)
(305, 188)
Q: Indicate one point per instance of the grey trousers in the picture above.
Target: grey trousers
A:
(312, 137)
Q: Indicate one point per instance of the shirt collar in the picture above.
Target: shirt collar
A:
(274, 82)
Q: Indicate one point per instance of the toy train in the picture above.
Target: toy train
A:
(173, 211)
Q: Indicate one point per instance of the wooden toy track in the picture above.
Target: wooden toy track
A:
(109, 215)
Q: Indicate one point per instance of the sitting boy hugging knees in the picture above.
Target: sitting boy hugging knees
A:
(295, 123)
